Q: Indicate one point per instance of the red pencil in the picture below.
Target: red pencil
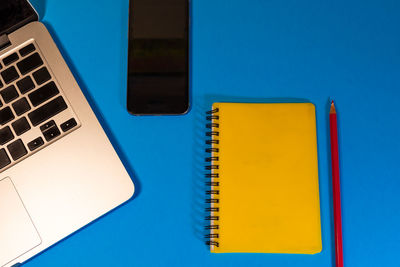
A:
(336, 186)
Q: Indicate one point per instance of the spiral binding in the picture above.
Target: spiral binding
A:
(212, 168)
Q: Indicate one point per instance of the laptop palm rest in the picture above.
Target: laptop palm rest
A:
(18, 235)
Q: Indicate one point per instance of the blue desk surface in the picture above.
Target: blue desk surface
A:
(253, 50)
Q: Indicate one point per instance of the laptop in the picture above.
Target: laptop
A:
(58, 170)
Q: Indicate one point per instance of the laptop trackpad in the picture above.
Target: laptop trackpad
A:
(17, 232)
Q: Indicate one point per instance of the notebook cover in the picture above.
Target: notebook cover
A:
(268, 193)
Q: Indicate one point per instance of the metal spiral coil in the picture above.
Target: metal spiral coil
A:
(212, 167)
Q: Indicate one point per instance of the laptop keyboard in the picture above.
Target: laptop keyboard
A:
(33, 110)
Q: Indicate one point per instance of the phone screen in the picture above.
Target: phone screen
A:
(15, 13)
(158, 63)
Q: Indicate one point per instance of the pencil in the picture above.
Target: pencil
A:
(336, 186)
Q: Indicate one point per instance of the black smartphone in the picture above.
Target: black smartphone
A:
(158, 57)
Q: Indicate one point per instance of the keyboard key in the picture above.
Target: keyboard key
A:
(27, 50)
(20, 126)
(43, 94)
(17, 149)
(4, 159)
(25, 85)
(10, 59)
(41, 76)
(9, 75)
(47, 111)
(35, 144)
(47, 125)
(6, 115)
(30, 63)
(68, 125)
(51, 133)
(6, 135)
(9, 94)
(21, 106)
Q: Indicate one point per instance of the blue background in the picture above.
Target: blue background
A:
(258, 50)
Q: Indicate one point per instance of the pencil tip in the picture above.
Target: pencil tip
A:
(333, 109)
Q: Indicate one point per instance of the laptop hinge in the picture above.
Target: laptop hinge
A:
(4, 41)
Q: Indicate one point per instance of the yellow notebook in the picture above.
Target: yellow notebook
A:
(264, 191)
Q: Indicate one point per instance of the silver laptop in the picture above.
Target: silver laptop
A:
(58, 170)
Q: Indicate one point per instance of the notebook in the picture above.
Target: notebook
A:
(263, 179)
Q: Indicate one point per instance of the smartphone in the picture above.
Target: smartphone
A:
(158, 57)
